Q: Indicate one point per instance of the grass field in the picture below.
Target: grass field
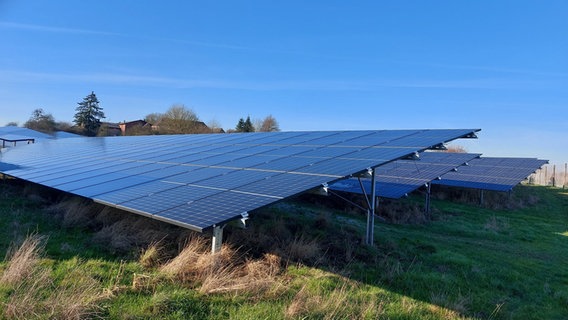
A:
(71, 260)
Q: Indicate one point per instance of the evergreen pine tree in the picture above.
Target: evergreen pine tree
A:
(248, 126)
(89, 114)
(240, 125)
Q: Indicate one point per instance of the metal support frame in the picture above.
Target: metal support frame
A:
(428, 199)
(217, 239)
(371, 211)
(481, 196)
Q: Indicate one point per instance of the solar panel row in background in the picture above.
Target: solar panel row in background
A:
(199, 181)
(492, 173)
(396, 179)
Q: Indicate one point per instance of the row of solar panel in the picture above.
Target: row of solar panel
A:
(401, 177)
(198, 181)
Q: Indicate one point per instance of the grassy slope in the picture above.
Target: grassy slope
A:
(470, 262)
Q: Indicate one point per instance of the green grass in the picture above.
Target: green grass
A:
(470, 262)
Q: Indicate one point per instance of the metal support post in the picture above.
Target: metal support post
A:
(565, 175)
(217, 239)
(481, 195)
(428, 198)
(554, 175)
(371, 211)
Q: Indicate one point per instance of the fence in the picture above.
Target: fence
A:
(551, 175)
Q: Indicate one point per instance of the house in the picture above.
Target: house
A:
(134, 126)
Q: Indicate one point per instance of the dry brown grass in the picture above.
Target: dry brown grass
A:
(38, 297)
(304, 249)
(397, 211)
(153, 256)
(34, 294)
(23, 259)
(76, 212)
(337, 304)
(225, 271)
(119, 231)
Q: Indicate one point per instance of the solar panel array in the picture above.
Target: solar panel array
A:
(21, 133)
(396, 179)
(199, 181)
(496, 174)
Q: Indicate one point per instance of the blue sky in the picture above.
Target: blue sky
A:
(501, 66)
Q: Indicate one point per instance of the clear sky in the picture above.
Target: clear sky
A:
(501, 66)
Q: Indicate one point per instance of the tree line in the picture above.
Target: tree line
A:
(178, 119)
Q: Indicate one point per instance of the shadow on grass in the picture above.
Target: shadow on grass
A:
(474, 261)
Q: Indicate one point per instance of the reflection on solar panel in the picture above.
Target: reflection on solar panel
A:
(22, 132)
(11, 136)
(203, 181)
(396, 179)
(497, 174)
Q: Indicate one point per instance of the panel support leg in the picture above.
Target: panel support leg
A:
(481, 196)
(217, 239)
(428, 199)
(371, 212)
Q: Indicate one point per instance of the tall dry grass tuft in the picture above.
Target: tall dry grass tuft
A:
(23, 260)
(25, 300)
(76, 297)
(34, 294)
(153, 256)
(184, 266)
(224, 271)
(38, 297)
(304, 249)
(253, 277)
(76, 212)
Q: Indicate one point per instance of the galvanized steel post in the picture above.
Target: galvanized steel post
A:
(371, 211)
(217, 239)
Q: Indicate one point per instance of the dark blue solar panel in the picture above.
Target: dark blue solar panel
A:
(286, 164)
(236, 179)
(84, 172)
(134, 191)
(377, 138)
(329, 152)
(95, 180)
(198, 175)
(228, 206)
(89, 190)
(497, 174)
(120, 171)
(171, 198)
(398, 178)
(289, 151)
(336, 138)
(338, 167)
(217, 159)
(288, 184)
(249, 161)
(249, 151)
(391, 190)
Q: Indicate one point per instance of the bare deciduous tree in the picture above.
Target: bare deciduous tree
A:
(178, 119)
(41, 121)
(269, 124)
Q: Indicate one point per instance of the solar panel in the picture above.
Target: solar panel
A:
(492, 173)
(198, 181)
(22, 133)
(396, 179)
